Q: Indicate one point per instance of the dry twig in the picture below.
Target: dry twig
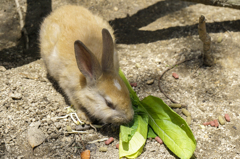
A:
(159, 85)
(206, 39)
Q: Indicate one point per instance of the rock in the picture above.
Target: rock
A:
(149, 82)
(16, 96)
(69, 129)
(2, 69)
(91, 147)
(115, 8)
(81, 128)
(35, 136)
(138, 65)
(153, 149)
(35, 124)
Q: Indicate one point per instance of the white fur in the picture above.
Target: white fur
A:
(116, 83)
(108, 98)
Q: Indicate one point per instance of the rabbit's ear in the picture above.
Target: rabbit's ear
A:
(108, 51)
(87, 62)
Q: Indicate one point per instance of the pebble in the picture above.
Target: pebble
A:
(35, 136)
(138, 65)
(149, 82)
(221, 120)
(115, 8)
(58, 125)
(220, 39)
(69, 129)
(185, 112)
(2, 69)
(54, 136)
(91, 147)
(20, 103)
(81, 128)
(16, 96)
(103, 149)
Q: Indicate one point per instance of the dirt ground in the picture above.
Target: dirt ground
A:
(151, 36)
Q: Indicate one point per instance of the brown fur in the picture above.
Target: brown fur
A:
(87, 90)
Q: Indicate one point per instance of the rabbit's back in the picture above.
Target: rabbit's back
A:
(61, 29)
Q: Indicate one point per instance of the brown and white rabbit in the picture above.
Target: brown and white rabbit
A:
(80, 55)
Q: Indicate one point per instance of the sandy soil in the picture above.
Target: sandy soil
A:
(151, 36)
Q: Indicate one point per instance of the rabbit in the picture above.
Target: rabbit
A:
(79, 52)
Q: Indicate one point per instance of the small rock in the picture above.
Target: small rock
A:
(117, 146)
(16, 96)
(54, 136)
(138, 65)
(175, 75)
(220, 39)
(149, 82)
(20, 103)
(69, 129)
(81, 128)
(103, 149)
(115, 8)
(152, 150)
(91, 147)
(35, 124)
(2, 69)
(58, 125)
(35, 136)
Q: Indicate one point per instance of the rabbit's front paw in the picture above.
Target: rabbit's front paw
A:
(83, 117)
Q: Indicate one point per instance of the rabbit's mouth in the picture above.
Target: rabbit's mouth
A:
(121, 119)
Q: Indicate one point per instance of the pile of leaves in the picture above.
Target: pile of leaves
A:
(154, 118)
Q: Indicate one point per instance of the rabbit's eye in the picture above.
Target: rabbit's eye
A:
(109, 104)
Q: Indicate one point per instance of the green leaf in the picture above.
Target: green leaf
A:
(170, 127)
(151, 133)
(126, 133)
(133, 147)
(167, 124)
